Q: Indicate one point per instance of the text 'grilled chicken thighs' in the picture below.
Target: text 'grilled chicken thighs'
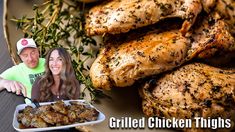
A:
(120, 16)
(193, 90)
(121, 64)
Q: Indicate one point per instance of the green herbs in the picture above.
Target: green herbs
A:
(59, 23)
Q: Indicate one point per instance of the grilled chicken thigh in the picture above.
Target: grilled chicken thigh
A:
(121, 64)
(193, 90)
(225, 8)
(60, 107)
(212, 36)
(53, 118)
(120, 16)
(38, 122)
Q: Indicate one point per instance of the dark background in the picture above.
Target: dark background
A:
(8, 101)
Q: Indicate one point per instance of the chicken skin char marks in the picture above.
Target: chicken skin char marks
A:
(193, 90)
(131, 14)
(121, 63)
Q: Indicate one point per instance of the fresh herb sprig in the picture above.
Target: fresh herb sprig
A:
(60, 23)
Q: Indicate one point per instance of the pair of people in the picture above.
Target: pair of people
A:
(56, 77)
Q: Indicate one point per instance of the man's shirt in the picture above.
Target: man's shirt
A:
(25, 75)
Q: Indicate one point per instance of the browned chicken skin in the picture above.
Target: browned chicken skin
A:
(225, 8)
(38, 122)
(193, 90)
(212, 36)
(107, 17)
(121, 64)
(124, 64)
(54, 118)
(60, 107)
(120, 16)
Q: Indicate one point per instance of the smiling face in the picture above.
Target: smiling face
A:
(55, 63)
(30, 57)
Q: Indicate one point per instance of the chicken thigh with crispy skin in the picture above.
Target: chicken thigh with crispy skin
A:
(225, 8)
(212, 37)
(193, 90)
(121, 64)
(120, 16)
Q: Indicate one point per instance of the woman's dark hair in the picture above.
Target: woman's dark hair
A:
(68, 82)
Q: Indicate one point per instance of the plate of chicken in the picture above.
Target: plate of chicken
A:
(55, 115)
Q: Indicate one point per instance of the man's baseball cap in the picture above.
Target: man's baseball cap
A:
(25, 43)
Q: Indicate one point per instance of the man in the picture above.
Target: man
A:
(19, 78)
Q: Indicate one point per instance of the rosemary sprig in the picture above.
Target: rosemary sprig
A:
(60, 23)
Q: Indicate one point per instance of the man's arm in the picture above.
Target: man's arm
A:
(12, 86)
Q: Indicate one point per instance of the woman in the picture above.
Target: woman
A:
(59, 81)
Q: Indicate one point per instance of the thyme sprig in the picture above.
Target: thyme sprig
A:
(60, 23)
